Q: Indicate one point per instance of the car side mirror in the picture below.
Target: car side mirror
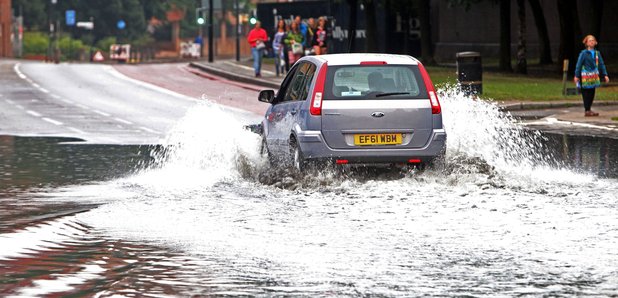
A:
(267, 96)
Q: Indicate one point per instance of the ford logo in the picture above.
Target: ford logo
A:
(377, 114)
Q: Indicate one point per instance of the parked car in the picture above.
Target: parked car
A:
(355, 109)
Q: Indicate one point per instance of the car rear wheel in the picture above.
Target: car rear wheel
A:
(298, 159)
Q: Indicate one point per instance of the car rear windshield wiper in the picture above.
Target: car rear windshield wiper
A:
(391, 93)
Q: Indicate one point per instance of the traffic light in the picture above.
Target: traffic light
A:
(252, 20)
(201, 21)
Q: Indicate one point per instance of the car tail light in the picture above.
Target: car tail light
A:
(341, 161)
(414, 161)
(433, 97)
(318, 92)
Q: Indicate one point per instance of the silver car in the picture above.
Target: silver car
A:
(357, 109)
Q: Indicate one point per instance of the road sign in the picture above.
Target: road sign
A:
(85, 25)
(70, 17)
(98, 57)
(121, 24)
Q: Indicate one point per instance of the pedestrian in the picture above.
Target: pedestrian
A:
(294, 40)
(278, 47)
(257, 40)
(304, 29)
(319, 38)
(312, 28)
(589, 70)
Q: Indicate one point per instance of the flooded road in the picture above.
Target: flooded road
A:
(513, 212)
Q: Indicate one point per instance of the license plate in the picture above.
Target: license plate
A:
(377, 139)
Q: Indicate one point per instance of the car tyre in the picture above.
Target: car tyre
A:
(298, 159)
(264, 152)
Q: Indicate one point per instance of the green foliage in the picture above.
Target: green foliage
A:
(69, 47)
(35, 43)
(105, 43)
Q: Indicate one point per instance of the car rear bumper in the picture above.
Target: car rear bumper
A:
(314, 147)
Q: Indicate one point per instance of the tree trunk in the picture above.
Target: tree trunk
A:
(352, 25)
(424, 15)
(371, 28)
(522, 64)
(505, 35)
(597, 15)
(541, 28)
(569, 32)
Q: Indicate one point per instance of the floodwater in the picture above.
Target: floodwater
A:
(512, 212)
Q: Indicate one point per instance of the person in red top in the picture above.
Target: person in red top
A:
(257, 38)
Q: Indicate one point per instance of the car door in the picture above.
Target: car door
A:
(286, 110)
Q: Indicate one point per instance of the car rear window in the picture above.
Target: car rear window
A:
(374, 82)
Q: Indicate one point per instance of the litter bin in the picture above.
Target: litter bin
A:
(470, 72)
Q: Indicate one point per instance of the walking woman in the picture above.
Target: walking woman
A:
(589, 70)
(319, 38)
(294, 41)
(278, 47)
(257, 37)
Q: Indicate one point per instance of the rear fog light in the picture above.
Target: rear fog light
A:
(341, 161)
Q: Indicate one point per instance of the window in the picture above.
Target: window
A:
(371, 81)
(298, 88)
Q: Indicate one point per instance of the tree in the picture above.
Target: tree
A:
(34, 13)
(541, 28)
(505, 35)
(522, 64)
(424, 15)
(569, 29)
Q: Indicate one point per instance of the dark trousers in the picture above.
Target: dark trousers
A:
(588, 96)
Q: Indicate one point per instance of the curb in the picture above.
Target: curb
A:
(234, 77)
(549, 105)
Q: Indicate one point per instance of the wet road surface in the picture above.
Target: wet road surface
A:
(513, 212)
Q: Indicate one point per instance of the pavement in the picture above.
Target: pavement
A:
(566, 117)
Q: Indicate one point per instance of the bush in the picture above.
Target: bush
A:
(105, 43)
(35, 43)
(70, 48)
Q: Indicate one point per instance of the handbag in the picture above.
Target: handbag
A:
(590, 78)
(259, 45)
(297, 48)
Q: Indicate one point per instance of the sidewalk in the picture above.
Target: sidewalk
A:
(566, 116)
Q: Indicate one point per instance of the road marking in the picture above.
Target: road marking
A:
(52, 121)
(123, 121)
(67, 101)
(76, 130)
(20, 107)
(82, 106)
(119, 75)
(55, 96)
(101, 113)
(43, 90)
(36, 85)
(146, 129)
(33, 113)
(9, 101)
(19, 73)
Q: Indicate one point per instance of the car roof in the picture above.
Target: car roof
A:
(357, 58)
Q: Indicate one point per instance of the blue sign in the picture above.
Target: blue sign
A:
(70, 16)
(121, 24)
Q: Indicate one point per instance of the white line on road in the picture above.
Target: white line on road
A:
(101, 113)
(36, 85)
(117, 74)
(52, 121)
(19, 73)
(67, 101)
(20, 107)
(73, 129)
(43, 90)
(33, 113)
(123, 121)
(146, 129)
(9, 101)
(82, 106)
(55, 96)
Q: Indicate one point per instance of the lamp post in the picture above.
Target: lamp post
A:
(237, 30)
(210, 31)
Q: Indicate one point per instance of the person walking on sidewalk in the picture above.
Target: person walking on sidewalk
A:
(257, 38)
(294, 40)
(278, 47)
(319, 38)
(589, 70)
